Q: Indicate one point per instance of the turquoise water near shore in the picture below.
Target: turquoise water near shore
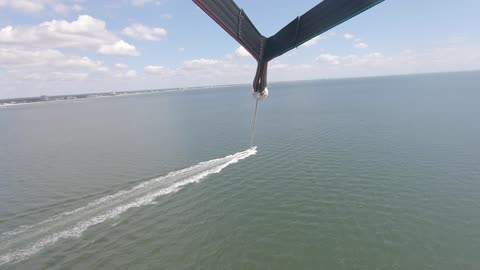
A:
(371, 173)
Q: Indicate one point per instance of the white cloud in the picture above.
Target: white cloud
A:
(278, 66)
(84, 33)
(36, 6)
(141, 3)
(119, 48)
(361, 45)
(371, 59)
(60, 8)
(77, 7)
(195, 72)
(142, 32)
(214, 71)
(202, 62)
(348, 36)
(365, 60)
(180, 50)
(17, 59)
(28, 71)
(131, 73)
(125, 74)
(154, 69)
(312, 41)
(25, 6)
(406, 61)
(328, 58)
(160, 70)
(121, 65)
(83, 62)
(242, 52)
(54, 76)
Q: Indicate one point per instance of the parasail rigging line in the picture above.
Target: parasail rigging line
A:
(254, 122)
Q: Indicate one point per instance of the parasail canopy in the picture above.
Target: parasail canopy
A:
(324, 16)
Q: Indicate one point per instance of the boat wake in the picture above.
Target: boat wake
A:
(25, 241)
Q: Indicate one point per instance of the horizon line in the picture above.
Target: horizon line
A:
(239, 84)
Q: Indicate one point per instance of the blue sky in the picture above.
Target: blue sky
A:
(76, 46)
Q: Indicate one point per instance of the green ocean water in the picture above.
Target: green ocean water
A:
(373, 173)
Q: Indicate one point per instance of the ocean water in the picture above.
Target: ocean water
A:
(372, 173)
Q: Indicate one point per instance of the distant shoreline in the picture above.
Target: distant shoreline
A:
(8, 102)
(44, 98)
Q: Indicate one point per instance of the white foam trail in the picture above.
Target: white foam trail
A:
(20, 244)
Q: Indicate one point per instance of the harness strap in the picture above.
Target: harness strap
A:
(260, 80)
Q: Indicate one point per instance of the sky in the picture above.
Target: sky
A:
(51, 47)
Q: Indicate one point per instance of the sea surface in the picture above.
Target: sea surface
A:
(371, 173)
